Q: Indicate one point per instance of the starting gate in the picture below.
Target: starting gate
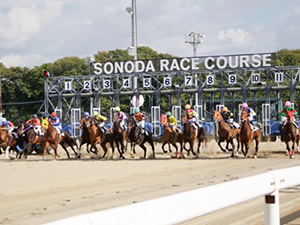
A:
(155, 119)
(176, 111)
(266, 119)
(112, 112)
(75, 122)
(199, 111)
(59, 113)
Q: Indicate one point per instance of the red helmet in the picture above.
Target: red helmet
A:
(53, 114)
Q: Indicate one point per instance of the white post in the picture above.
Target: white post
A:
(272, 210)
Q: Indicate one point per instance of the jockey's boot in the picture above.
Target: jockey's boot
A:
(195, 126)
(198, 124)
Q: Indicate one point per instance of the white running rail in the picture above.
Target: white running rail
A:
(198, 202)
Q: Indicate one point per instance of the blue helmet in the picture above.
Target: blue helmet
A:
(86, 114)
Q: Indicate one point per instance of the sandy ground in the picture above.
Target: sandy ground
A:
(35, 191)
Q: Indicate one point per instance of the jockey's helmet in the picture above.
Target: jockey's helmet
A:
(225, 109)
(96, 113)
(85, 114)
(4, 120)
(117, 109)
(169, 113)
(53, 114)
(136, 110)
(187, 107)
(34, 116)
(287, 104)
(244, 105)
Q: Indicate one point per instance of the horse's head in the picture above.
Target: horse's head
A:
(184, 118)
(163, 119)
(290, 116)
(244, 116)
(115, 117)
(82, 122)
(131, 121)
(217, 115)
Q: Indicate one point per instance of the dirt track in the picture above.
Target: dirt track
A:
(36, 191)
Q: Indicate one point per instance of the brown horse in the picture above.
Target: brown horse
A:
(169, 137)
(226, 133)
(52, 138)
(96, 138)
(4, 138)
(290, 133)
(190, 134)
(85, 136)
(30, 137)
(247, 135)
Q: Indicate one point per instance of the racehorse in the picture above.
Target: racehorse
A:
(30, 137)
(190, 134)
(96, 136)
(119, 134)
(170, 137)
(290, 133)
(4, 138)
(85, 136)
(52, 138)
(247, 135)
(136, 135)
(226, 133)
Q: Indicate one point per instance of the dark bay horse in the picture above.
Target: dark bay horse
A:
(96, 138)
(226, 133)
(30, 137)
(52, 138)
(290, 133)
(247, 135)
(190, 134)
(119, 134)
(85, 136)
(169, 137)
(136, 135)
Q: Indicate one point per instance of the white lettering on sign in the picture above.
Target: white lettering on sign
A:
(185, 64)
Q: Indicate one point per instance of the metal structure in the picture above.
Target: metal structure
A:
(261, 87)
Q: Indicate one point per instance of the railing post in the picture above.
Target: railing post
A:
(272, 210)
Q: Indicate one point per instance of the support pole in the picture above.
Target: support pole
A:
(272, 210)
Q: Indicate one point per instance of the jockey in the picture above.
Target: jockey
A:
(140, 118)
(283, 115)
(173, 123)
(227, 116)
(86, 115)
(191, 114)
(56, 123)
(9, 125)
(35, 123)
(250, 113)
(122, 117)
(100, 122)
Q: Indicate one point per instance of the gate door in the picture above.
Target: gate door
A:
(266, 117)
(176, 112)
(155, 119)
(75, 122)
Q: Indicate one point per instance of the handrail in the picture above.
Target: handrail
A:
(198, 202)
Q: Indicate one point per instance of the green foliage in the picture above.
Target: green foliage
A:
(288, 57)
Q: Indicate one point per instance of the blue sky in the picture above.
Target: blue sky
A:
(34, 32)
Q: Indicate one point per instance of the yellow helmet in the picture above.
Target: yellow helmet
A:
(117, 109)
(96, 113)
(225, 109)
(187, 107)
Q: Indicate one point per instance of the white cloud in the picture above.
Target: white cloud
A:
(34, 32)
